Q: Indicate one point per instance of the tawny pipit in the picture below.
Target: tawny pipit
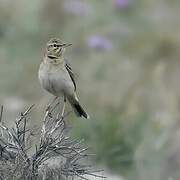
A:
(56, 75)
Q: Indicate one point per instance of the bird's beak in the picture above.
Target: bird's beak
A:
(66, 45)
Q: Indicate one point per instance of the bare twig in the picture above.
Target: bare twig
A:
(54, 144)
(1, 113)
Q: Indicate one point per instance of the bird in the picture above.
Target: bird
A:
(56, 75)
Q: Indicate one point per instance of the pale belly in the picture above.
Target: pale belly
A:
(56, 81)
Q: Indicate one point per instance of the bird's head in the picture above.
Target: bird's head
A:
(55, 48)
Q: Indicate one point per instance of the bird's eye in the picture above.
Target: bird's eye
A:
(55, 45)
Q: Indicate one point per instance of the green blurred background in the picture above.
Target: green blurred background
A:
(125, 56)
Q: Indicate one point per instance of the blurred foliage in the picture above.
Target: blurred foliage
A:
(125, 55)
(113, 141)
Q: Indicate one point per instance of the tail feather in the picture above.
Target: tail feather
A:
(79, 111)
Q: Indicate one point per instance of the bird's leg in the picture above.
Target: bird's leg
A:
(48, 109)
(49, 105)
(63, 108)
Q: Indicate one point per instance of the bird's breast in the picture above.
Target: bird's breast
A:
(55, 80)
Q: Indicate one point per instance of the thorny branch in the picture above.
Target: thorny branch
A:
(16, 162)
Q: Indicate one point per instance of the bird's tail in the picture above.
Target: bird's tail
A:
(79, 111)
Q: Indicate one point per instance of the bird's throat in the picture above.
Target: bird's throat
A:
(54, 60)
(52, 57)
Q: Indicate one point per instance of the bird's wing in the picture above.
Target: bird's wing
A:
(71, 74)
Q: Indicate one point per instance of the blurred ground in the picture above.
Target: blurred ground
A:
(125, 55)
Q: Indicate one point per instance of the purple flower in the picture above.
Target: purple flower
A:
(121, 4)
(99, 42)
(77, 7)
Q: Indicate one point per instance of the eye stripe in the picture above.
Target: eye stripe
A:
(56, 45)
